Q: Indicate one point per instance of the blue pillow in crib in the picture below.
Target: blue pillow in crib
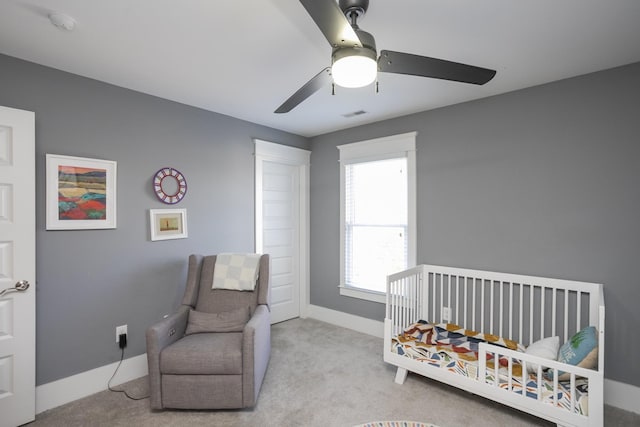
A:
(580, 350)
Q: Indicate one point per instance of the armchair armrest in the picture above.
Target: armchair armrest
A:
(158, 337)
(256, 350)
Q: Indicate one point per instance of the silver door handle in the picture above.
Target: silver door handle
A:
(21, 286)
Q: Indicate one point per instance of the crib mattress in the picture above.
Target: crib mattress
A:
(451, 362)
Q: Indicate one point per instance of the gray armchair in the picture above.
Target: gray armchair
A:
(211, 370)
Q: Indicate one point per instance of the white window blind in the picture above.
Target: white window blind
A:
(377, 213)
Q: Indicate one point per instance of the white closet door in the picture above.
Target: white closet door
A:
(281, 225)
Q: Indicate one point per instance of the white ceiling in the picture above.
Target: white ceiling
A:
(244, 58)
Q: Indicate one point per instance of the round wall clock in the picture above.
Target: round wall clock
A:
(169, 185)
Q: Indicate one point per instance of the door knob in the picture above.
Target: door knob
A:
(20, 286)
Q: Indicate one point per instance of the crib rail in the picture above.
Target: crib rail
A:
(502, 379)
(521, 308)
(405, 298)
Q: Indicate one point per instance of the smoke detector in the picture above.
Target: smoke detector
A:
(62, 21)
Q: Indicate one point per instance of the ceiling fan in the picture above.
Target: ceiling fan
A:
(353, 56)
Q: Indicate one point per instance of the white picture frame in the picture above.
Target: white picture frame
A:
(80, 193)
(167, 224)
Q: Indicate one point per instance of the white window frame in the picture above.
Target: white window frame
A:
(396, 146)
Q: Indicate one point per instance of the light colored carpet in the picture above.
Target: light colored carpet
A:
(319, 375)
(396, 424)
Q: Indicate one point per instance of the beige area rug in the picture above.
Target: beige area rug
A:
(395, 424)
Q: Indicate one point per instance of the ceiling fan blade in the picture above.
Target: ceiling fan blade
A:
(321, 79)
(406, 63)
(331, 20)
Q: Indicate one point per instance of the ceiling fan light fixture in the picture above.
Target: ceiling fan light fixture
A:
(354, 67)
(353, 58)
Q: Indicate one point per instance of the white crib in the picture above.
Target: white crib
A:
(517, 307)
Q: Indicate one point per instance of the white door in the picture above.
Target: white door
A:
(17, 267)
(282, 224)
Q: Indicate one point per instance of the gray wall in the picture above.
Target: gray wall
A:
(89, 282)
(543, 181)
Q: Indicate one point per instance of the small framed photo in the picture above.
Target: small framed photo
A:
(168, 224)
(81, 193)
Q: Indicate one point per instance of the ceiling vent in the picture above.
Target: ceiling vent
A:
(355, 113)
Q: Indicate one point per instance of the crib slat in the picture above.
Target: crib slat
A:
(423, 282)
(520, 308)
(566, 315)
(457, 322)
(482, 321)
(510, 371)
(393, 308)
(554, 331)
(539, 381)
(473, 307)
(433, 289)
(441, 286)
(510, 310)
(464, 284)
(501, 312)
(394, 314)
(433, 298)
(491, 311)
(523, 379)
(390, 305)
(408, 302)
(399, 302)
(405, 320)
(531, 296)
(400, 308)
(578, 311)
(555, 388)
(420, 286)
(542, 311)
(415, 315)
(449, 297)
(412, 301)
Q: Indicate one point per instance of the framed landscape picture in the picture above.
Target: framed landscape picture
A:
(81, 193)
(168, 224)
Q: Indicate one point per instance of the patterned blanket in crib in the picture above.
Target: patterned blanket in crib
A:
(453, 340)
(450, 347)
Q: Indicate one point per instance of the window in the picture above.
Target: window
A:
(377, 213)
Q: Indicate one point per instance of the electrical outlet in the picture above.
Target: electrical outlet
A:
(446, 314)
(120, 330)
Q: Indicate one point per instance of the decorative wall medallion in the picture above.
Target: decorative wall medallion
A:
(169, 185)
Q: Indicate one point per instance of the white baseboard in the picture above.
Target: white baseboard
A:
(84, 384)
(345, 320)
(620, 395)
(65, 390)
